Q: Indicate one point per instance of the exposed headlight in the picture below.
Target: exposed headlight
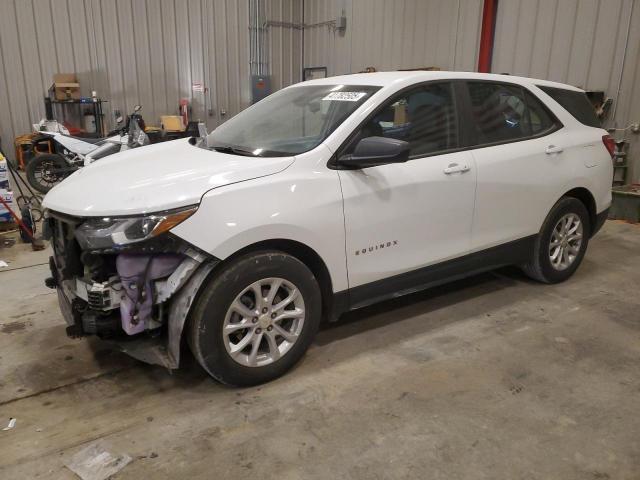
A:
(109, 232)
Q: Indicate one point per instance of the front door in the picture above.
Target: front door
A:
(402, 217)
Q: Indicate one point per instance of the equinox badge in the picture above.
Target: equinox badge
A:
(380, 246)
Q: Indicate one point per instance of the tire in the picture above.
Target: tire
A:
(543, 267)
(217, 309)
(38, 167)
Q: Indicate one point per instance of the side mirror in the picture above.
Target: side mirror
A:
(137, 108)
(374, 151)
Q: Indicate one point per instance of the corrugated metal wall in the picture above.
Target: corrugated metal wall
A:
(580, 42)
(152, 51)
(137, 51)
(393, 34)
(284, 45)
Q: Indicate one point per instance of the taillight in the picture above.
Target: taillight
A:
(609, 143)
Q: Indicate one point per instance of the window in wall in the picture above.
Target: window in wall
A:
(425, 117)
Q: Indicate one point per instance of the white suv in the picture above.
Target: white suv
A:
(326, 196)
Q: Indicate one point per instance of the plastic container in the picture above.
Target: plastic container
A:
(89, 123)
(137, 274)
(4, 174)
(7, 196)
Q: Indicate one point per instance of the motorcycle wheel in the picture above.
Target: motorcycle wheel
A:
(45, 171)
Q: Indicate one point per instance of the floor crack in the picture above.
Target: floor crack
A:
(59, 387)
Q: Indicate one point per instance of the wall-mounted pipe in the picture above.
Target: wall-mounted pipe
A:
(258, 54)
(612, 118)
(489, 13)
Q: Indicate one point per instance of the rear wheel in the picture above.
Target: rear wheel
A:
(256, 318)
(561, 243)
(45, 171)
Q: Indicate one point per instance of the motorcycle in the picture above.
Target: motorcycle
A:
(48, 169)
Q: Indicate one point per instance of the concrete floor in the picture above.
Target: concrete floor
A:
(492, 377)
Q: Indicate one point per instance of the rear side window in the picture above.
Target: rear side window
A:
(540, 118)
(576, 103)
(504, 113)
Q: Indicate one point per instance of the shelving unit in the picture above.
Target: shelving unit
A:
(81, 106)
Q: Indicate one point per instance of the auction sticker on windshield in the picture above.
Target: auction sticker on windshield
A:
(345, 96)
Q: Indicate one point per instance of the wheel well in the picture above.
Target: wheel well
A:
(306, 255)
(589, 202)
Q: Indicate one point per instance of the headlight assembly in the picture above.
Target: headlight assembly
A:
(109, 232)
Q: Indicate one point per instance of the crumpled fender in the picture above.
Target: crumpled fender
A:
(181, 305)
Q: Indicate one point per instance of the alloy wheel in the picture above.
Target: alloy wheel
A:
(263, 322)
(566, 240)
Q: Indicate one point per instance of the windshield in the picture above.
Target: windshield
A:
(290, 121)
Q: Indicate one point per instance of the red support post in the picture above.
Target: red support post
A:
(489, 12)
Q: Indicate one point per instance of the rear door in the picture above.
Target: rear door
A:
(518, 147)
(405, 216)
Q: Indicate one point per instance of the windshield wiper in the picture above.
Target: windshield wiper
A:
(233, 150)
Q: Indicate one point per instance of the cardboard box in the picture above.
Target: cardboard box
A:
(65, 87)
(7, 196)
(172, 123)
(4, 174)
(400, 113)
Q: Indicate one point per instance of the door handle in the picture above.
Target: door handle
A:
(455, 168)
(553, 149)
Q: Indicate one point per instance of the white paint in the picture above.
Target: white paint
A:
(425, 213)
(154, 178)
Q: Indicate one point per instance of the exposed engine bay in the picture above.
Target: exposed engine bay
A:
(136, 294)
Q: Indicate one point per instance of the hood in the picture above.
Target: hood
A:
(153, 178)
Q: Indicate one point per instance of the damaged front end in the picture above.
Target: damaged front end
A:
(127, 280)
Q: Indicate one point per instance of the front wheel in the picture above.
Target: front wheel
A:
(45, 171)
(256, 318)
(561, 243)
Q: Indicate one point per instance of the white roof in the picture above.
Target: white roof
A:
(384, 79)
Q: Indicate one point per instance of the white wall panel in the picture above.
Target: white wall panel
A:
(152, 51)
(142, 55)
(579, 42)
(14, 78)
(137, 51)
(628, 103)
(284, 44)
(468, 38)
(393, 34)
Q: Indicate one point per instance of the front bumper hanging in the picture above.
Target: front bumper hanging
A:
(163, 350)
(137, 299)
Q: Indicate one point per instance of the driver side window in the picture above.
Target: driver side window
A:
(425, 117)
